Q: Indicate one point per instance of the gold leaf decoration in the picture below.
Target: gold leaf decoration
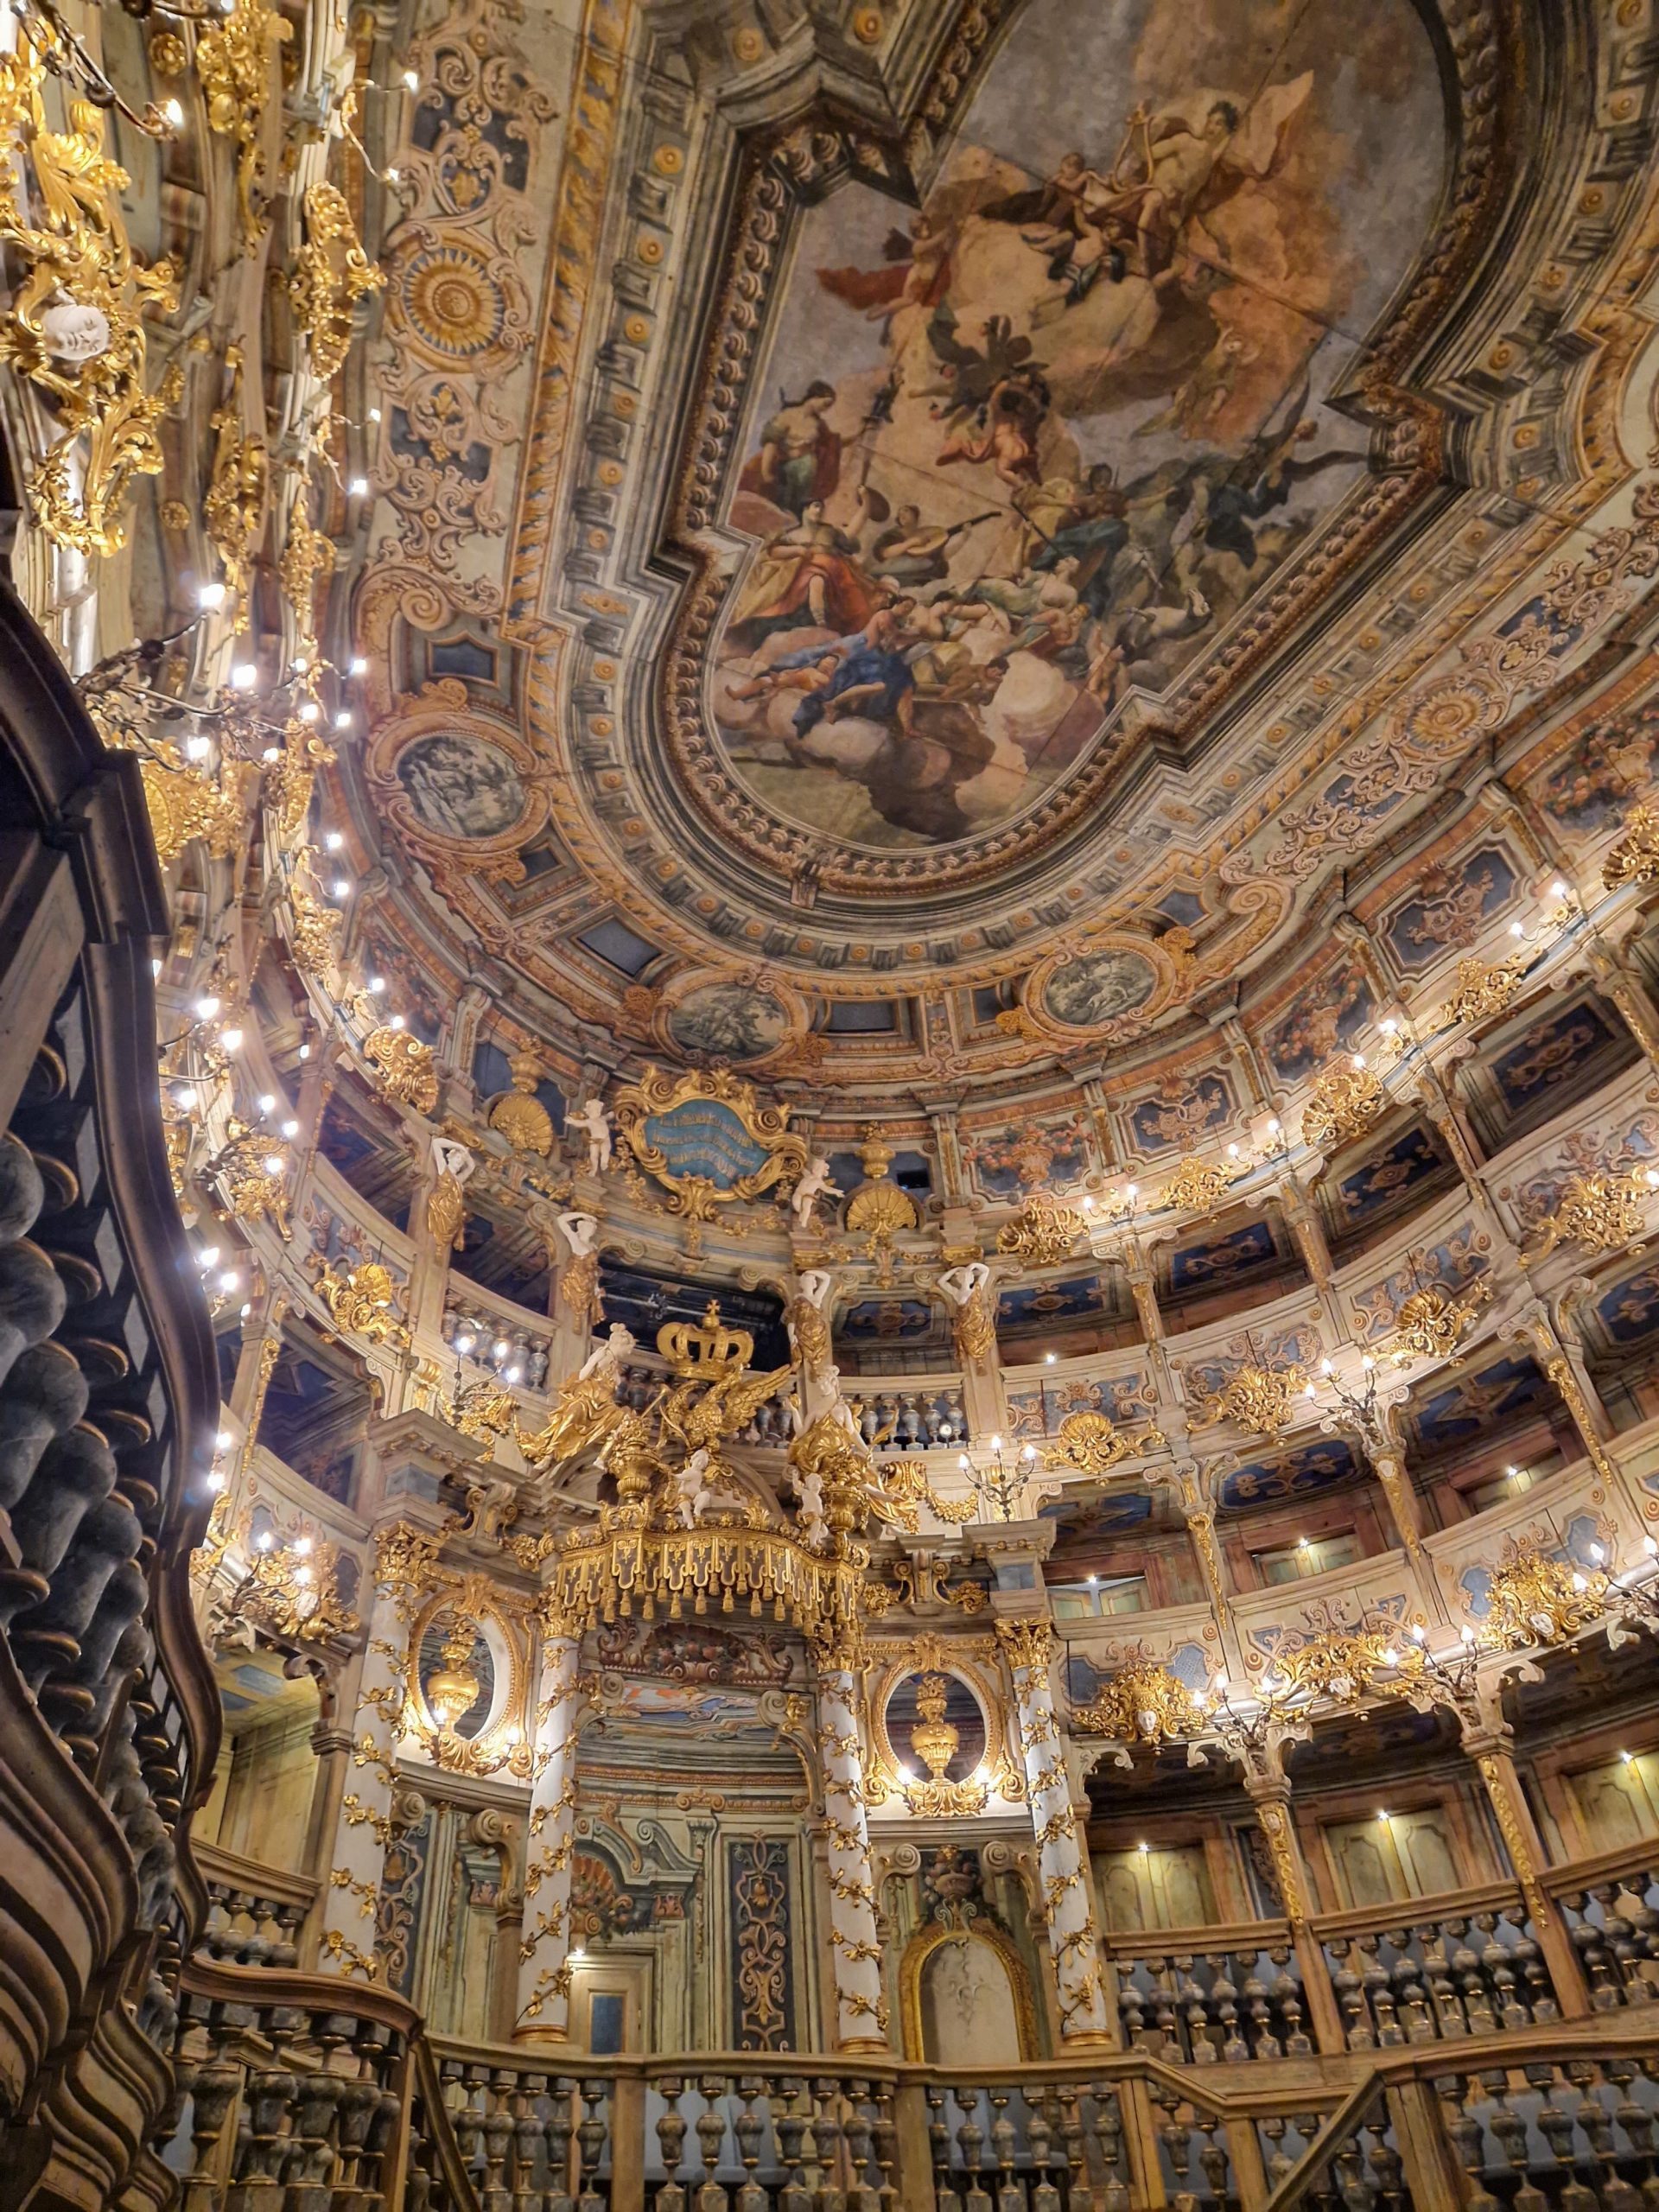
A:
(405, 1065)
(74, 325)
(1043, 1232)
(332, 274)
(1634, 857)
(1344, 1103)
(233, 61)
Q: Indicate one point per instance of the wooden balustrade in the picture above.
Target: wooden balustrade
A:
(306, 2095)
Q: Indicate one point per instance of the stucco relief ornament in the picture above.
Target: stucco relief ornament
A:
(707, 1139)
(1344, 1103)
(1140, 1704)
(1197, 1188)
(1634, 857)
(519, 1113)
(1481, 991)
(1536, 1599)
(363, 1302)
(1044, 1231)
(1092, 1444)
(1257, 1398)
(1603, 1212)
(405, 1065)
(1430, 1325)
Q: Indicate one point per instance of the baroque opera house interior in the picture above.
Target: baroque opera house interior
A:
(828, 1105)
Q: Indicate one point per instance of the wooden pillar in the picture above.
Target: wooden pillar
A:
(1487, 1743)
(1268, 1791)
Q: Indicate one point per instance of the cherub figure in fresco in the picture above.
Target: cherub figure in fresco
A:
(799, 460)
(916, 276)
(1015, 412)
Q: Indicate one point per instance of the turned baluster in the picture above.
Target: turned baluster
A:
(527, 2143)
(496, 2131)
(1114, 2195)
(213, 2090)
(1212, 2155)
(1350, 1999)
(1010, 2191)
(711, 2141)
(790, 2124)
(1224, 2008)
(262, 2151)
(938, 2137)
(856, 2132)
(557, 2131)
(1277, 2161)
(971, 2141)
(1041, 2119)
(884, 2135)
(749, 2129)
(311, 2164)
(1287, 1996)
(592, 2134)
(672, 2196)
(826, 2140)
(1469, 2141)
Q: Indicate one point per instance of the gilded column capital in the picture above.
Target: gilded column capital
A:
(1026, 1645)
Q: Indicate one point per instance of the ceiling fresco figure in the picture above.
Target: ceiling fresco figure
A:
(1037, 450)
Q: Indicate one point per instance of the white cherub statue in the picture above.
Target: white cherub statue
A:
(809, 1490)
(593, 1120)
(606, 1358)
(580, 1230)
(814, 1185)
(691, 1488)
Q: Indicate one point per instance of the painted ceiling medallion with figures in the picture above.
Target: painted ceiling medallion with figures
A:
(1018, 462)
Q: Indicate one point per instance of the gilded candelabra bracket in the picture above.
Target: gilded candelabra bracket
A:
(1043, 1232)
(1347, 1666)
(314, 928)
(74, 325)
(331, 274)
(1634, 858)
(363, 1302)
(235, 60)
(1092, 1444)
(1261, 1399)
(308, 557)
(1343, 1103)
(254, 1171)
(290, 1589)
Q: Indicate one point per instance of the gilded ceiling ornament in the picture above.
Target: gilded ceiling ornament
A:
(234, 60)
(1141, 1704)
(255, 1174)
(293, 777)
(75, 324)
(1481, 991)
(519, 1113)
(1344, 1101)
(1042, 1233)
(483, 1409)
(881, 1210)
(1092, 1444)
(313, 927)
(234, 509)
(306, 557)
(1343, 1665)
(1634, 857)
(1196, 1188)
(1534, 1599)
(364, 1303)
(1430, 1323)
(1603, 1212)
(405, 1066)
(935, 1741)
(331, 274)
(1255, 1397)
(706, 1138)
(184, 803)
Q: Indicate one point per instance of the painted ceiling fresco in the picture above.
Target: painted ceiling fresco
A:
(1036, 443)
(974, 550)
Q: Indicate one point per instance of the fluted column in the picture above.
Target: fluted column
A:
(363, 1829)
(543, 2006)
(1085, 2023)
(860, 2010)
